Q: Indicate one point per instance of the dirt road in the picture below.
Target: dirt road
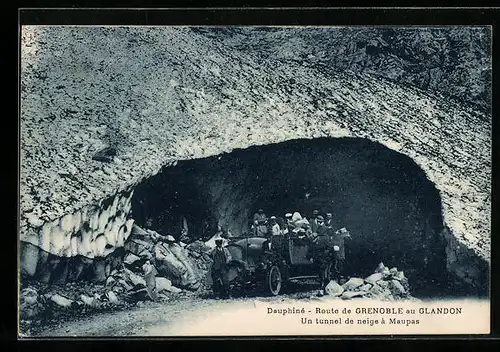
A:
(163, 318)
(136, 321)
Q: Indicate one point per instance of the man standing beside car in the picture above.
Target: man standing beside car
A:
(338, 242)
(276, 237)
(221, 258)
(322, 251)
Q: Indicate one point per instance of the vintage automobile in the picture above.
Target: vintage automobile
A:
(254, 264)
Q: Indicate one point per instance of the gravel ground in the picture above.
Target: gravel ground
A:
(162, 318)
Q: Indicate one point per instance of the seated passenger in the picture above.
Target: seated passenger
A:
(274, 227)
(321, 229)
(276, 237)
(314, 221)
(260, 223)
(288, 226)
(329, 220)
(301, 225)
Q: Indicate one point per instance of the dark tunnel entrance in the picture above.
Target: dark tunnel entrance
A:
(382, 197)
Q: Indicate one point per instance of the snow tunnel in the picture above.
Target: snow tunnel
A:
(382, 197)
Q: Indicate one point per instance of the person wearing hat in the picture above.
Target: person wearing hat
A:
(274, 227)
(314, 221)
(329, 226)
(338, 243)
(288, 225)
(329, 220)
(260, 223)
(276, 237)
(318, 223)
(322, 250)
(221, 258)
(287, 231)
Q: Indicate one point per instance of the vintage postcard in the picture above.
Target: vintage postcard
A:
(264, 181)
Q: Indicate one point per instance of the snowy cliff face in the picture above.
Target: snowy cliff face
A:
(453, 61)
(159, 95)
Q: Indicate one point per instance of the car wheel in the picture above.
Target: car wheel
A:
(274, 280)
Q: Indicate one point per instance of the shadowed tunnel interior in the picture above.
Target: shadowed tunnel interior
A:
(382, 197)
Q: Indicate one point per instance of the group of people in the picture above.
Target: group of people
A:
(293, 224)
(327, 243)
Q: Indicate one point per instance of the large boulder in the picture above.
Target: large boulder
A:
(138, 246)
(380, 293)
(380, 267)
(169, 239)
(386, 273)
(111, 296)
(110, 281)
(134, 279)
(29, 296)
(383, 284)
(376, 290)
(146, 254)
(126, 286)
(167, 263)
(405, 284)
(373, 278)
(393, 271)
(99, 269)
(163, 284)
(130, 258)
(61, 301)
(397, 289)
(366, 287)
(30, 306)
(334, 289)
(386, 295)
(29, 259)
(138, 231)
(89, 301)
(138, 294)
(174, 289)
(400, 276)
(173, 262)
(195, 254)
(191, 278)
(353, 283)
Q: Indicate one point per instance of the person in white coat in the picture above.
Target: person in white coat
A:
(276, 237)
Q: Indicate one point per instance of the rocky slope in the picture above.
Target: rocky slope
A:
(160, 95)
(455, 62)
(179, 268)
